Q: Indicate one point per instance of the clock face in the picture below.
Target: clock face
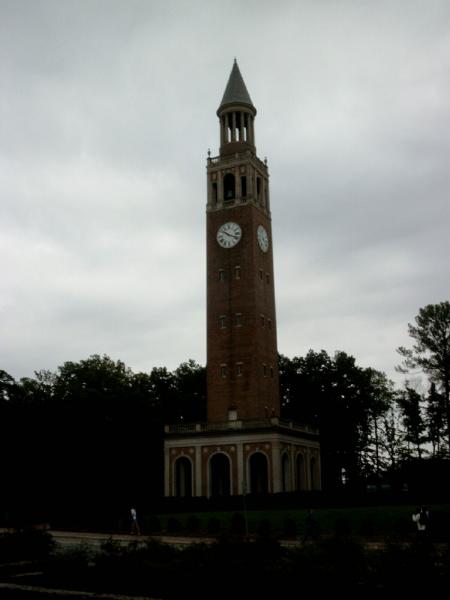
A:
(263, 238)
(229, 234)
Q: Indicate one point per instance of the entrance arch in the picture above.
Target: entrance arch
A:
(259, 476)
(219, 475)
(183, 477)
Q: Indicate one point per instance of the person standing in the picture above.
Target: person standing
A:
(135, 529)
(421, 518)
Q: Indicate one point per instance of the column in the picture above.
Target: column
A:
(198, 472)
(167, 490)
(237, 178)
(241, 127)
(249, 182)
(233, 127)
(251, 132)
(222, 130)
(219, 188)
(276, 467)
(308, 469)
(240, 468)
(293, 465)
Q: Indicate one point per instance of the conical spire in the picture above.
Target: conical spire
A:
(236, 92)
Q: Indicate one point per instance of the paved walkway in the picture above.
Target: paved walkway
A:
(72, 538)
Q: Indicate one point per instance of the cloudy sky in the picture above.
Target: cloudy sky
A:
(107, 110)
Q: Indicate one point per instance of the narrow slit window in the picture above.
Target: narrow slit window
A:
(263, 320)
(265, 370)
(223, 321)
(269, 323)
(239, 369)
(271, 372)
(221, 275)
(238, 319)
(237, 272)
(223, 370)
(267, 278)
(261, 274)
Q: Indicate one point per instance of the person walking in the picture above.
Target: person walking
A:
(135, 529)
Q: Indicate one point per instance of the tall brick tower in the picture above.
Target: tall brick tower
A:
(241, 341)
(243, 446)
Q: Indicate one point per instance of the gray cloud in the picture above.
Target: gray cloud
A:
(106, 113)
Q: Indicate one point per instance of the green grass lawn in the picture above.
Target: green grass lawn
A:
(369, 522)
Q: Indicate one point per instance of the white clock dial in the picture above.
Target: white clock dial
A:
(263, 238)
(229, 234)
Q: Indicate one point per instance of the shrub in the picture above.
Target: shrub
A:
(264, 528)
(173, 525)
(238, 524)
(26, 545)
(290, 528)
(193, 524)
(152, 524)
(214, 526)
(342, 527)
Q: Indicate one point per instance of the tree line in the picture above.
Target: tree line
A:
(90, 434)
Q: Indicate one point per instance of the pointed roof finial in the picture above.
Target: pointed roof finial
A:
(236, 91)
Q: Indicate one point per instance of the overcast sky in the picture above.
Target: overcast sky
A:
(107, 110)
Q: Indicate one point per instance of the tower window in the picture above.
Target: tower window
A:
(258, 187)
(269, 323)
(237, 272)
(267, 278)
(261, 274)
(244, 186)
(239, 369)
(223, 370)
(229, 187)
(271, 372)
(223, 321)
(238, 319)
(265, 370)
(262, 320)
(214, 193)
(221, 275)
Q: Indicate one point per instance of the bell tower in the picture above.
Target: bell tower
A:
(244, 446)
(241, 324)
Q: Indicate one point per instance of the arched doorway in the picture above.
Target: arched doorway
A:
(286, 472)
(259, 477)
(300, 472)
(219, 475)
(183, 478)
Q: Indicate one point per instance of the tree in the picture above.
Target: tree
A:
(380, 395)
(409, 402)
(431, 350)
(345, 402)
(392, 438)
(435, 418)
